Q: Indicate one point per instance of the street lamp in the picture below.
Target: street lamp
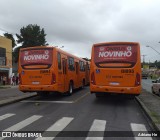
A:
(153, 49)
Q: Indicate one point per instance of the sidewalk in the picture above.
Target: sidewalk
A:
(151, 105)
(7, 97)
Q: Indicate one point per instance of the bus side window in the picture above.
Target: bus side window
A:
(77, 68)
(59, 60)
(71, 64)
(82, 66)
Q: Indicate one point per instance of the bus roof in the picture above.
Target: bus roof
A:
(104, 43)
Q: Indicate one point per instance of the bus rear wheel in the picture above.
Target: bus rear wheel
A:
(153, 91)
(43, 93)
(83, 84)
(70, 88)
(98, 95)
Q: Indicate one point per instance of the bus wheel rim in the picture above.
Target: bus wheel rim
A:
(70, 89)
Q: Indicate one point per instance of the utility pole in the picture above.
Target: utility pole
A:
(143, 58)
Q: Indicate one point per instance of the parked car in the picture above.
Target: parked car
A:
(156, 86)
(144, 75)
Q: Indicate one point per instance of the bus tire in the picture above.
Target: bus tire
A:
(43, 93)
(130, 97)
(98, 95)
(70, 88)
(153, 91)
(83, 83)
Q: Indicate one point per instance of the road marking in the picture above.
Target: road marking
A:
(56, 102)
(58, 126)
(75, 101)
(139, 128)
(23, 123)
(59, 102)
(6, 116)
(98, 125)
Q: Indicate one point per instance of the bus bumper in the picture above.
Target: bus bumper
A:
(33, 88)
(117, 90)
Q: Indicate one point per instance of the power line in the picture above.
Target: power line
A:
(7, 31)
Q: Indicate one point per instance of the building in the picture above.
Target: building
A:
(5, 60)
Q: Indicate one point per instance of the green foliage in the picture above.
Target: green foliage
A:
(31, 35)
(157, 64)
(152, 64)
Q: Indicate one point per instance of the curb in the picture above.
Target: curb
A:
(16, 99)
(148, 114)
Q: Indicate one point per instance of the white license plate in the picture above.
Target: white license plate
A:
(35, 83)
(114, 83)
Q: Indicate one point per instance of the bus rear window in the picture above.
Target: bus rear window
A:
(36, 57)
(113, 56)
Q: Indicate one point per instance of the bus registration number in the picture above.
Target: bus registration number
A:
(114, 83)
(35, 83)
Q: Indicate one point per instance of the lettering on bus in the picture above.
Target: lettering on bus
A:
(127, 71)
(115, 53)
(40, 56)
(117, 76)
(36, 57)
(35, 76)
(44, 71)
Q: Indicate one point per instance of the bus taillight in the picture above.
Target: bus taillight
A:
(93, 81)
(138, 78)
(53, 81)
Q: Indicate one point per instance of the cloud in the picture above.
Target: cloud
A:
(77, 24)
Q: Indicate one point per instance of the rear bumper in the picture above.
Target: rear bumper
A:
(118, 90)
(35, 88)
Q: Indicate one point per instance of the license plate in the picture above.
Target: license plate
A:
(114, 83)
(35, 83)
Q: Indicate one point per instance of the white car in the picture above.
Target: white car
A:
(156, 86)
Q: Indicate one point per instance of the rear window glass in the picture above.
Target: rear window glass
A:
(36, 57)
(115, 55)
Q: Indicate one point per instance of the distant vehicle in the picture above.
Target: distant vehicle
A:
(156, 86)
(144, 75)
(47, 69)
(115, 68)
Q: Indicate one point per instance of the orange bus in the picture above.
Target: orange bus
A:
(45, 69)
(115, 68)
(87, 67)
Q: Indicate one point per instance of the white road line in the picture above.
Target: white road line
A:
(23, 123)
(98, 125)
(5, 116)
(60, 102)
(57, 126)
(139, 128)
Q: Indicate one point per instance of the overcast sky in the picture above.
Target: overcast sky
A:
(77, 24)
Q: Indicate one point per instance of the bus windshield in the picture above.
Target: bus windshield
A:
(36, 58)
(115, 56)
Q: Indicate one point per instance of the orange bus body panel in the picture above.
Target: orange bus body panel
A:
(116, 68)
(48, 69)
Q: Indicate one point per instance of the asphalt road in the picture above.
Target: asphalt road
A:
(81, 113)
(147, 84)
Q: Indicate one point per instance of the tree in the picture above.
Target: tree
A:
(31, 35)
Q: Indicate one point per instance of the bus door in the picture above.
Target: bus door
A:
(64, 77)
(77, 74)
